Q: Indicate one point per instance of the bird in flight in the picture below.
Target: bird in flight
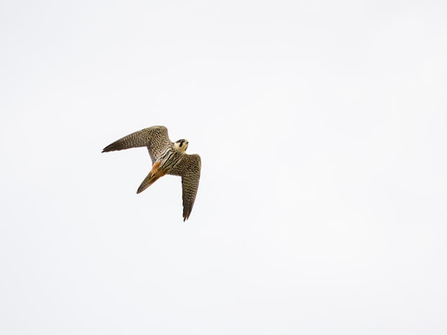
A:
(167, 158)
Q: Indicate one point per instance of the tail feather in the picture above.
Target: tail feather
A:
(148, 181)
(152, 177)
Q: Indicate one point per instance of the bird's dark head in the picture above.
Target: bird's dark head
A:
(181, 145)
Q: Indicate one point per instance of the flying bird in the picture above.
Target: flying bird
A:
(167, 158)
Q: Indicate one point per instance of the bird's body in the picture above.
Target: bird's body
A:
(167, 158)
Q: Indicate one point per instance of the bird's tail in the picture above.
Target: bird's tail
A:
(152, 177)
(148, 181)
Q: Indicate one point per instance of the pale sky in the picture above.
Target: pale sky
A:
(322, 128)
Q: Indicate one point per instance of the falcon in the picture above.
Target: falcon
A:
(167, 158)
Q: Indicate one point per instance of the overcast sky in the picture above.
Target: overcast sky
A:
(322, 127)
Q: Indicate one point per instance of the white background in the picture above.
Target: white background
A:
(322, 203)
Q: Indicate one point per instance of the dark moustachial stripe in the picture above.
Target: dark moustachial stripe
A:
(165, 159)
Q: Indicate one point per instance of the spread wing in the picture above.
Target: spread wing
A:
(155, 138)
(189, 169)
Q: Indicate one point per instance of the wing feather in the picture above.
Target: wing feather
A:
(189, 169)
(155, 138)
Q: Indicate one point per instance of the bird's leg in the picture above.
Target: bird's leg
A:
(155, 168)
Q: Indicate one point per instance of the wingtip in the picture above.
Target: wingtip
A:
(107, 148)
(186, 216)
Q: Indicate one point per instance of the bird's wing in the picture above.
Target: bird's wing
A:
(155, 138)
(189, 169)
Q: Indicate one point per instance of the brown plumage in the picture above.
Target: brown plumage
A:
(167, 158)
(152, 177)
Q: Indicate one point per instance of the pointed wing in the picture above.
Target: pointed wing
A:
(155, 138)
(189, 168)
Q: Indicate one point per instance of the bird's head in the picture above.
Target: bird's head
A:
(181, 145)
